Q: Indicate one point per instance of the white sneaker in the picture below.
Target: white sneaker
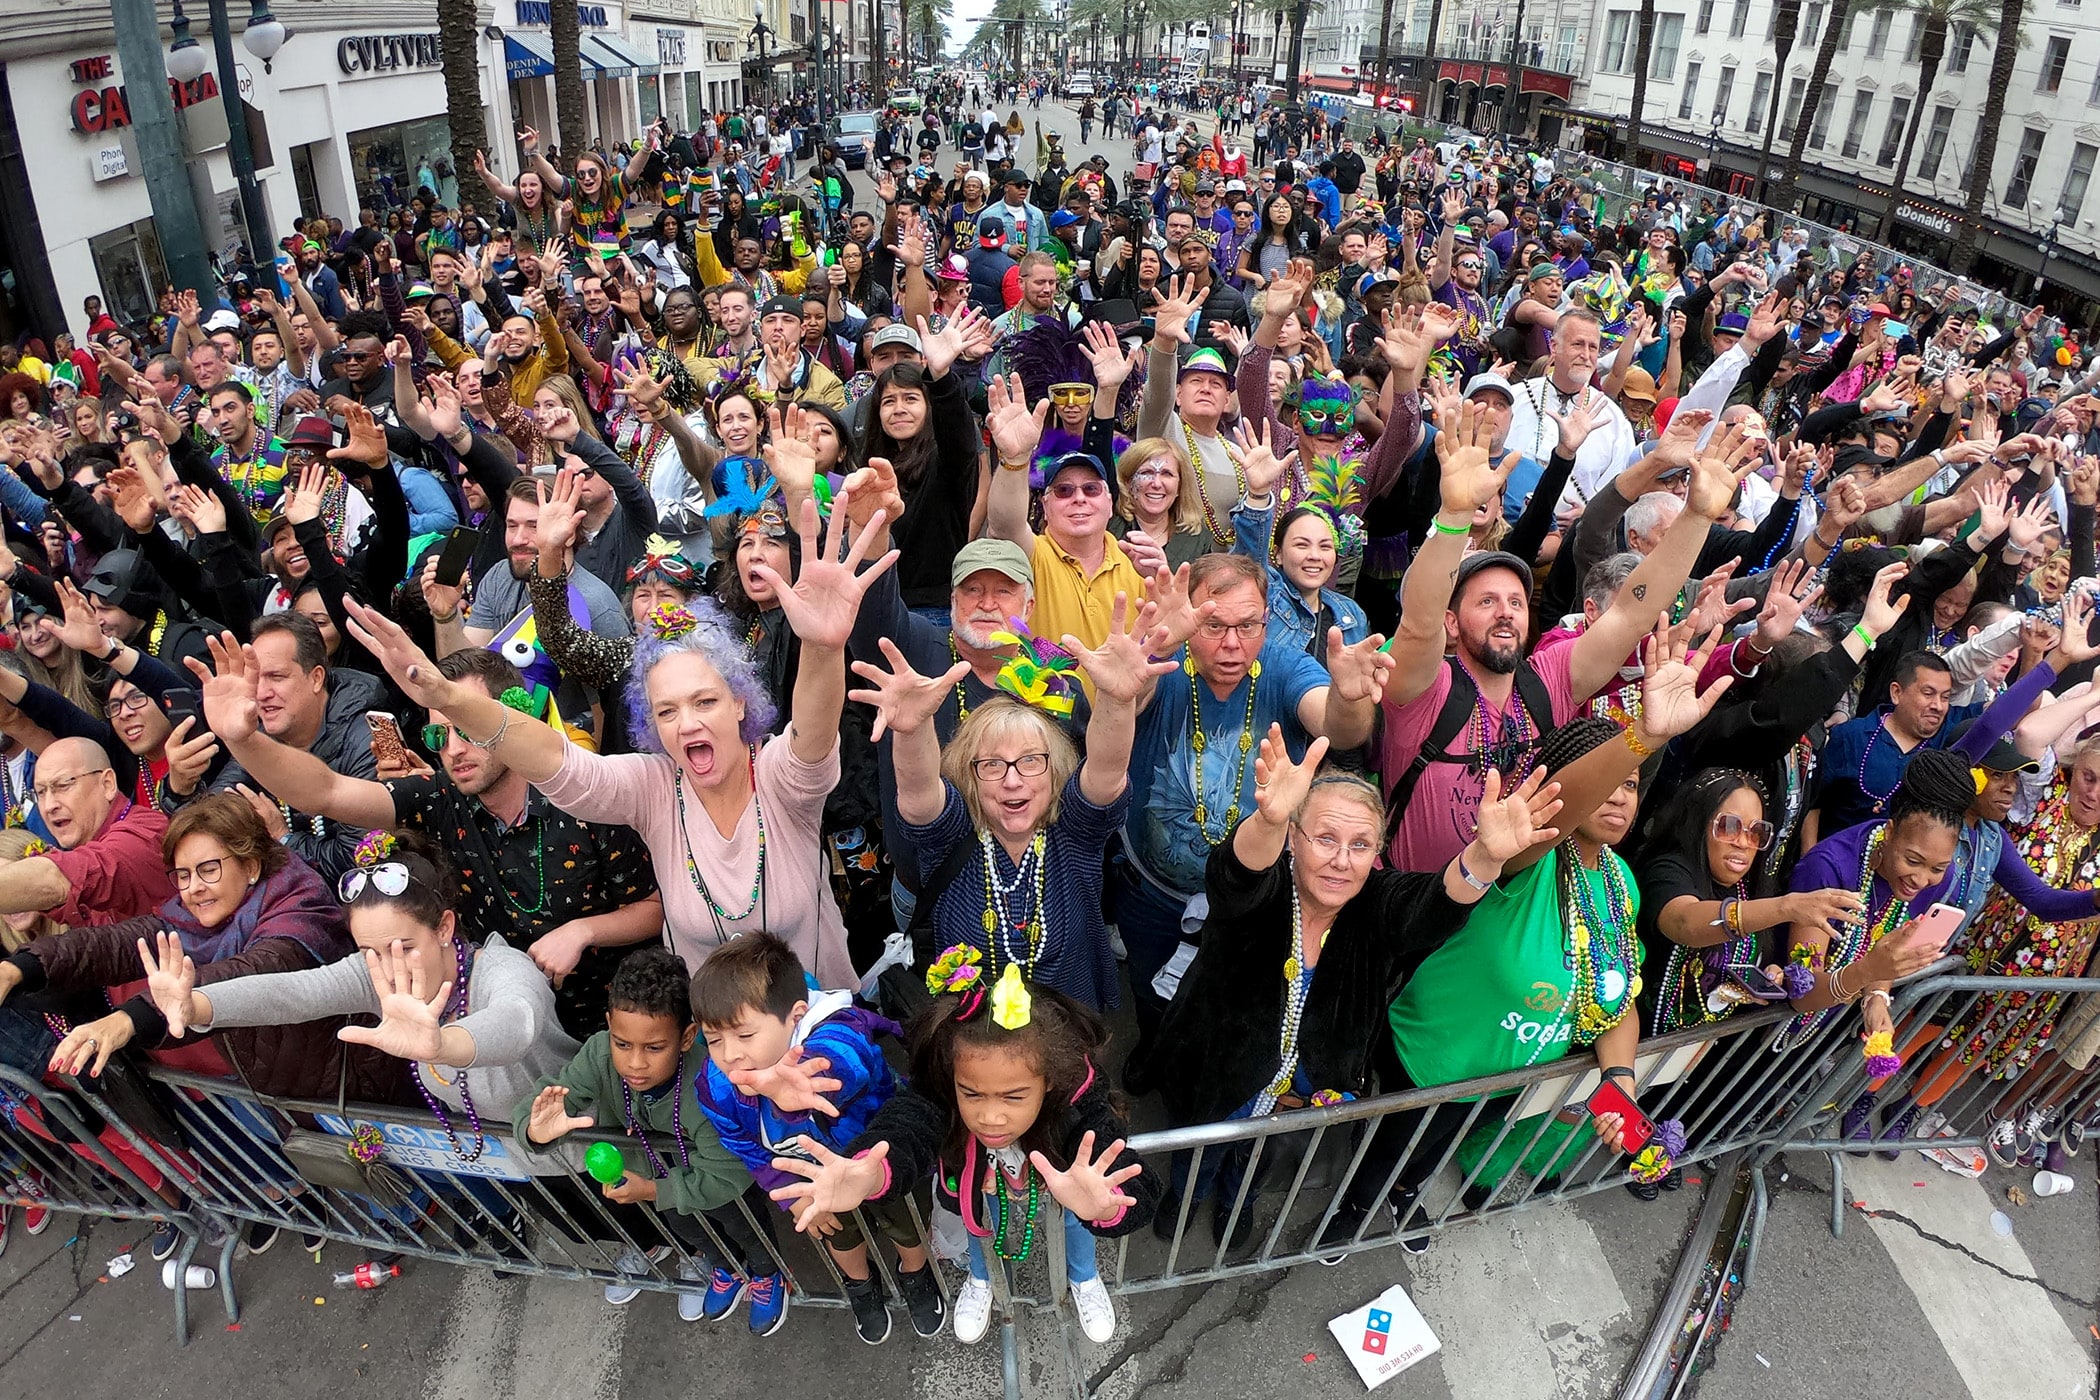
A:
(973, 1312)
(1097, 1313)
(691, 1301)
(631, 1261)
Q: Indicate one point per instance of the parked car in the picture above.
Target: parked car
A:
(903, 100)
(1080, 85)
(854, 134)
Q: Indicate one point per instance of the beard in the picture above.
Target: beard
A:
(1499, 660)
(978, 637)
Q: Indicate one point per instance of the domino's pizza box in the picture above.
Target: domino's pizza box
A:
(1384, 1337)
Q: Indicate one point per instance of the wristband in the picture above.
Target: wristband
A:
(1633, 741)
(1617, 1070)
(445, 618)
(1472, 881)
(1442, 529)
(1006, 466)
(1866, 638)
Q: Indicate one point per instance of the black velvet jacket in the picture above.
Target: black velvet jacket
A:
(1220, 1042)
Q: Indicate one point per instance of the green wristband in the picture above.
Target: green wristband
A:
(1866, 638)
(1442, 529)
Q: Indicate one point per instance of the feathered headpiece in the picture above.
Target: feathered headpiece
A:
(1050, 352)
(742, 486)
(1055, 445)
(1334, 488)
(663, 558)
(1040, 673)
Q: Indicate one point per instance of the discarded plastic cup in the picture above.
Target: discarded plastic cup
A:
(197, 1276)
(2047, 1183)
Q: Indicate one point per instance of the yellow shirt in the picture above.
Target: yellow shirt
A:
(1067, 599)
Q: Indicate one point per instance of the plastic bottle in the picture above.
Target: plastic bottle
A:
(369, 1274)
(198, 1276)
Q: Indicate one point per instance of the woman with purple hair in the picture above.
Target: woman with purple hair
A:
(740, 813)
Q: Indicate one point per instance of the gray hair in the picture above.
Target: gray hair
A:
(1652, 512)
(1607, 576)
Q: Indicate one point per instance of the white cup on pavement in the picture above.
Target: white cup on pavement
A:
(198, 1276)
(2047, 1183)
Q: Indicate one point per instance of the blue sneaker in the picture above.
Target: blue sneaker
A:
(723, 1293)
(1858, 1123)
(769, 1304)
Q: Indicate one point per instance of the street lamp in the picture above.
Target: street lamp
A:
(186, 63)
(2048, 245)
(760, 33)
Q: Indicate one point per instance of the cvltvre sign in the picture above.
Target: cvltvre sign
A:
(364, 54)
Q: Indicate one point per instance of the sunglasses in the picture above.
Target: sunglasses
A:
(1066, 490)
(1730, 827)
(390, 878)
(1471, 264)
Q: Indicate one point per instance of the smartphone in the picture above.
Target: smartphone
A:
(1757, 981)
(387, 748)
(183, 703)
(1944, 920)
(1610, 1098)
(457, 554)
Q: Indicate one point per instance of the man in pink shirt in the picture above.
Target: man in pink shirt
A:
(108, 863)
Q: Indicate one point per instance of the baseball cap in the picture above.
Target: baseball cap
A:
(1017, 177)
(781, 306)
(1000, 556)
(991, 233)
(897, 333)
(1488, 379)
(1063, 218)
(222, 320)
(1206, 185)
(1491, 559)
(1878, 309)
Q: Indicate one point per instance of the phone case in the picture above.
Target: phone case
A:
(1610, 1098)
(387, 747)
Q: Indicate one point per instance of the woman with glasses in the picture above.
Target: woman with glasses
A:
(476, 1026)
(1293, 892)
(1011, 829)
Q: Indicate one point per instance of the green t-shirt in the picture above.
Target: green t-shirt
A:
(1495, 997)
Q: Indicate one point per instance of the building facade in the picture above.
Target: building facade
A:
(1712, 78)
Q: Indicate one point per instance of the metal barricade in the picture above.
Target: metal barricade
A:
(1281, 1188)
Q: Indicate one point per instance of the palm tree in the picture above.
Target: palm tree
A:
(2002, 51)
(1835, 28)
(1427, 62)
(1935, 19)
(569, 113)
(1786, 23)
(459, 41)
(1643, 50)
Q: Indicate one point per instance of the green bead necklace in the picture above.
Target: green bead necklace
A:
(1002, 1240)
(692, 868)
(1199, 741)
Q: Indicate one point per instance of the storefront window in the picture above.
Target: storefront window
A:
(391, 163)
(127, 263)
(645, 89)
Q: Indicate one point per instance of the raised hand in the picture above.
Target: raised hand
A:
(411, 1017)
(1256, 459)
(1680, 442)
(1358, 671)
(1470, 479)
(831, 1185)
(1575, 425)
(203, 509)
(413, 671)
(2076, 643)
(1280, 785)
(1088, 1188)
(1993, 504)
(228, 687)
(1722, 468)
(561, 517)
(1104, 350)
(1170, 317)
(2033, 520)
(1671, 702)
(189, 751)
(79, 630)
(793, 1084)
(1710, 606)
(903, 700)
(171, 978)
(825, 597)
(550, 1117)
(944, 346)
(788, 452)
(872, 488)
(1120, 667)
(1793, 591)
(1511, 825)
(558, 424)
(1845, 503)
(130, 498)
(1015, 428)
(303, 497)
(443, 405)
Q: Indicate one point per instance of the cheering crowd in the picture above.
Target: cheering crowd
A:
(763, 667)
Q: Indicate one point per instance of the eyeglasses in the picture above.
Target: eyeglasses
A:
(1331, 846)
(129, 705)
(206, 871)
(1247, 631)
(1727, 826)
(59, 787)
(993, 770)
(1066, 490)
(391, 878)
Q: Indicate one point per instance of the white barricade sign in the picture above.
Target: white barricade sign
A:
(430, 1150)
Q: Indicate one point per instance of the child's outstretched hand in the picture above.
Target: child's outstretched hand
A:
(1089, 1189)
(832, 1184)
(793, 1084)
(551, 1118)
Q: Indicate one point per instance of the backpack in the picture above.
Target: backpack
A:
(1451, 722)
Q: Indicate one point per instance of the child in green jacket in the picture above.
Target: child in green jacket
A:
(632, 1078)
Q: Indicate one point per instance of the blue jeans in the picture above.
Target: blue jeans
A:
(902, 903)
(26, 1042)
(1150, 921)
(1079, 1252)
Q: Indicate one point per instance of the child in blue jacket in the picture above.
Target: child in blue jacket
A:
(785, 1067)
